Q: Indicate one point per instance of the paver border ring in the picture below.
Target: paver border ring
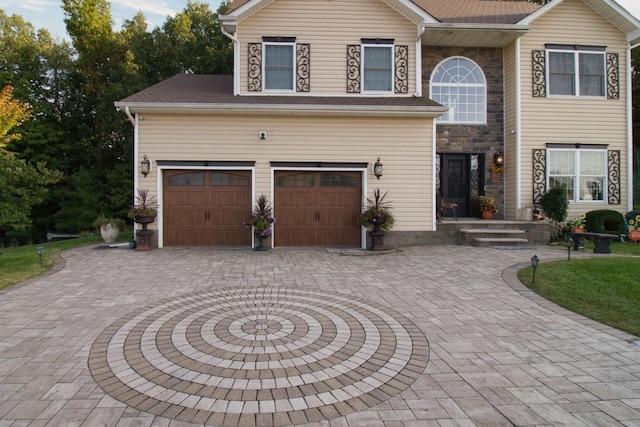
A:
(258, 356)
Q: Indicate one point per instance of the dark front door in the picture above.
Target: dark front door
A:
(460, 181)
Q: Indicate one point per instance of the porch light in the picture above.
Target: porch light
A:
(145, 166)
(534, 264)
(498, 158)
(377, 168)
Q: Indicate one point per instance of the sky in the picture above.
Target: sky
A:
(48, 13)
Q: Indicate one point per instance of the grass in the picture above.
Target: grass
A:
(603, 289)
(21, 263)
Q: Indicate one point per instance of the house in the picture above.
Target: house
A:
(440, 94)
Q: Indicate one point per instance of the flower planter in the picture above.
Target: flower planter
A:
(487, 215)
(143, 241)
(634, 235)
(109, 232)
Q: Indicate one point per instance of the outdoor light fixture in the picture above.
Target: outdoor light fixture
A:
(39, 249)
(498, 158)
(534, 264)
(377, 168)
(569, 243)
(145, 166)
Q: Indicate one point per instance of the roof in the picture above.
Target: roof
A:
(462, 11)
(213, 94)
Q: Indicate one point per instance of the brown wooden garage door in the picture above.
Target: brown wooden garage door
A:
(317, 208)
(206, 208)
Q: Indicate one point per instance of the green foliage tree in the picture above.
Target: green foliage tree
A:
(23, 185)
(555, 205)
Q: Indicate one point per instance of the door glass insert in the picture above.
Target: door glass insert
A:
(337, 180)
(296, 180)
(223, 179)
(187, 179)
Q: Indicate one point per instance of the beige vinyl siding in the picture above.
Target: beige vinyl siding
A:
(510, 115)
(350, 21)
(407, 164)
(572, 119)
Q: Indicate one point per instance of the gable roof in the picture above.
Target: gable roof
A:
(213, 94)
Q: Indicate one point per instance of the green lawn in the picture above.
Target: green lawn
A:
(606, 289)
(21, 263)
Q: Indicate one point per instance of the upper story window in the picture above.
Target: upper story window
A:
(576, 70)
(279, 64)
(581, 171)
(459, 83)
(279, 70)
(377, 67)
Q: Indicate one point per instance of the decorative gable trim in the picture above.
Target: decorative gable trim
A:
(539, 79)
(353, 68)
(614, 177)
(303, 67)
(255, 67)
(402, 69)
(539, 174)
(613, 76)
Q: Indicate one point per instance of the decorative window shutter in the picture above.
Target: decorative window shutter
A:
(401, 69)
(255, 67)
(614, 177)
(613, 76)
(353, 68)
(539, 79)
(539, 174)
(303, 67)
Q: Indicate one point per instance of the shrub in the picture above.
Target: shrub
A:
(555, 204)
(605, 221)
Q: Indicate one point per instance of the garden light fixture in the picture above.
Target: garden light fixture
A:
(377, 168)
(534, 264)
(145, 166)
(569, 243)
(39, 250)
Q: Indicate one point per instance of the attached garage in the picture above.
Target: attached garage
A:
(206, 207)
(317, 208)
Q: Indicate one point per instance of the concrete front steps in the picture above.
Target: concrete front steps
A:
(493, 237)
(499, 232)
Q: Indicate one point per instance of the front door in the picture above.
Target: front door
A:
(460, 181)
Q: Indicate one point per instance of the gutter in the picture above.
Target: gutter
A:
(630, 128)
(236, 55)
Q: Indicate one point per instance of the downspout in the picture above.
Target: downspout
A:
(128, 113)
(421, 30)
(518, 131)
(630, 128)
(236, 57)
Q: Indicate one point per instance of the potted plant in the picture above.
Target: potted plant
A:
(262, 220)
(496, 173)
(144, 212)
(487, 206)
(578, 223)
(109, 227)
(633, 227)
(378, 214)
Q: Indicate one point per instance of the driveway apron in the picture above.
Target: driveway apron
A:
(424, 336)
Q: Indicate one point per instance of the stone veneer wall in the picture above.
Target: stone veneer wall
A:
(474, 139)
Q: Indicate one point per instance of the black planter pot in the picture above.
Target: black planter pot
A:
(143, 237)
(377, 237)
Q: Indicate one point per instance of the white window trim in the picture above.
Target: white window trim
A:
(576, 73)
(439, 121)
(576, 176)
(293, 67)
(390, 46)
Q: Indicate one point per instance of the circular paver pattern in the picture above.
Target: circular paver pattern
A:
(258, 356)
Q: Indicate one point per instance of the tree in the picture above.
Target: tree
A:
(23, 185)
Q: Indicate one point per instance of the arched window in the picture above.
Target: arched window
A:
(458, 83)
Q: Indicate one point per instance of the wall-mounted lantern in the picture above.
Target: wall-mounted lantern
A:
(145, 166)
(377, 168)
(498, 158)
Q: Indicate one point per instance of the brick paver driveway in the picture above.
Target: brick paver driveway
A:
(426, 336)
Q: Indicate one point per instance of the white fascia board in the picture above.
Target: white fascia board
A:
(538, 13)
(622, 12)
(285, 109)
(420, 14)
(485, 27)
(633, 38)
